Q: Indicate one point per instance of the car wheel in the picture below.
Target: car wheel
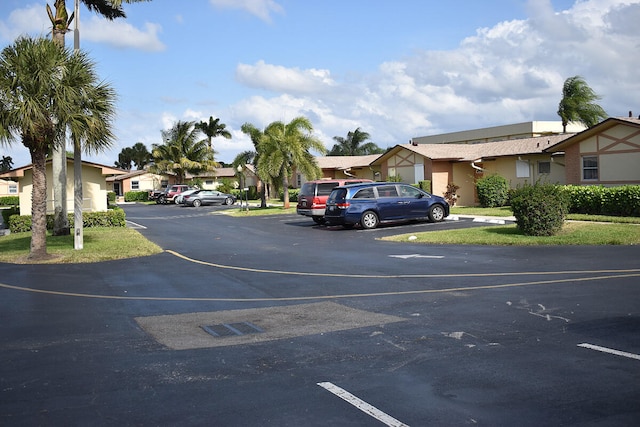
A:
(228, 201)
(369, 220)
(197, 203)
(436, 213)
(176, 201)
(319, 220)
(162, 200)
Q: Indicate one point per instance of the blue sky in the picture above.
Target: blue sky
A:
(395, 69)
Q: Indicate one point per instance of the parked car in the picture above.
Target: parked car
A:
(313, 195)
(179, 199)
(171, 192)
(380, 202)
(208, 197)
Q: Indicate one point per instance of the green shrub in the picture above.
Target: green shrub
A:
(111, 197)
(539, 209)
(9, 201)
(110, 218)
(293, 195)
(8, 213)
(136, 196)
(598, 200)
(425, 185)
(493, 191)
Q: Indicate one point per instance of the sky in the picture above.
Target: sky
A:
(395, 69)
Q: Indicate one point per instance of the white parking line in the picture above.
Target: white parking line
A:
(610, 351)
(135, 225)
(362, 405)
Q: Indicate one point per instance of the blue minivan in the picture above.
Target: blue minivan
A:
(370, 204)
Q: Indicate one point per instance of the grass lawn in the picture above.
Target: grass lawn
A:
(573, 233)
(99, 244)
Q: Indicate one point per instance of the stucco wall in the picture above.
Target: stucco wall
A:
(94, 189)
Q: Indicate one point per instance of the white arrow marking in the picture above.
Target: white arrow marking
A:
(416, 256)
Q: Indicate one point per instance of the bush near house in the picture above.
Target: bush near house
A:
(598, 200)
(136, 196)
(293, 195)
(493, 191)
(425, 185)
(110, 218)
(540, 209)
(9, 201)
(111, 198)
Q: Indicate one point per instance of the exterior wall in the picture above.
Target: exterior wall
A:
(402, 164)
(618, 152)
(464, 176)
(8, 188)
(507, 168)
(94, 189)
(442, 173)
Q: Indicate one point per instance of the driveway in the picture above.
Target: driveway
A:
(274, 320)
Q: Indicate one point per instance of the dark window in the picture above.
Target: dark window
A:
(544, 167)
(387, 191)
(590, 168)
(365, 193)
(324, 188)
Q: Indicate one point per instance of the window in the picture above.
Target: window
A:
(135, 185)
(13, 188)
(387, 191)
(544, 167)
(590, 168)
(164, 183)
(522, 169)
(365, 193)
(324, 188)
(412, 192)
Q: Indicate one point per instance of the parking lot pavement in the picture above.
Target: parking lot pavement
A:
(264, 321)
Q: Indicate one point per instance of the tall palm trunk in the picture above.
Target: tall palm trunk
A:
(39, 205)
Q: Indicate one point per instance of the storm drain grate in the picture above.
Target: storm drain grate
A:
(232, 329)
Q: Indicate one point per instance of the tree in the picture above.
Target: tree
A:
(285, 147)
(578, 104)
(353, 145)
(213, 129)
(6, 163)
(61, 22)
(45, 89)
(182, 153)
(251, 157)
(138, 155)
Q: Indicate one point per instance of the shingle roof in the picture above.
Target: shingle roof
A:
(345, 162)
(471, 152)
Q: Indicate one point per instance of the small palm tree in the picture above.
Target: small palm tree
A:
(182, 153)
(43, 90)
(577, 104)
(354, 145)
(285, 147)
(212, 129)
(251, 157)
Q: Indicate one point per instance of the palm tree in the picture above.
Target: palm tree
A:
(212, 129)
(354, 145)
(182, 153)
(43, 90)
(577, 104)
(251, 157)
(61, 22)
(285, 147)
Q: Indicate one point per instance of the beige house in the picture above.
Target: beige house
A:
(520, 161)
(335, 167)
(139, 180)
(94, 185)
(605, 154)
(8, 188)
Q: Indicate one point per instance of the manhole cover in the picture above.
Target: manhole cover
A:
(232, 329)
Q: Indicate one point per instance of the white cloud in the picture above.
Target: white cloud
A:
(260, 8)
(121, 34)
(29, 20)
(277, 78)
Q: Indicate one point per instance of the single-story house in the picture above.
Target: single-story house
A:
(8, 188)
(605, 154)
(335, 167)
(520, 161)
(94, 185)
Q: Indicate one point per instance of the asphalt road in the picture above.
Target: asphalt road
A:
(276, 321)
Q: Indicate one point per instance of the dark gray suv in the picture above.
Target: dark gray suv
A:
(378, 202)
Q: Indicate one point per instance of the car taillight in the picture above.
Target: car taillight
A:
(344, 205)
(316, 201)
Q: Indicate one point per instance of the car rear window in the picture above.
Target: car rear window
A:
(324, 188)
(337, 194)
(307, 189)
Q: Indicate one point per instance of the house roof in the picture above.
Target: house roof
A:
(345, 162)
(127, 175)
(594, 130)
(472, 152)
(105, 170)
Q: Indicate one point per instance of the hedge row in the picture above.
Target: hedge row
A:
(9, 201)
(598, 200)
(136, 196)
(110, 218)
